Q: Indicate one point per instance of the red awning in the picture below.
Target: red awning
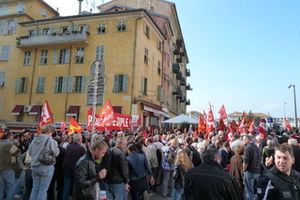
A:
(17, 110)
(35, 110)
(73, 111)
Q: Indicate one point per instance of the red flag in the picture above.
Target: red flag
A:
(210, 125)
(201, 124)
(222, 126)
(89, 123)
(287, 125)
(107, 113)
(252, 128)
(46, 116)
(242, 126)
(222, 112)
(62, 127)
(1, 133)
(74, 127)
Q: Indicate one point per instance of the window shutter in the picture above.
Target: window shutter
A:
(100, 53)
(2, 79)
(84, 83)
(25, 85)
(142, 85)
(67, 57)
(125, 83)
(64, 84)
(54, 56)
(97, 52)
(116, 84)
(56, 84)
(17, 85)
(70, 80)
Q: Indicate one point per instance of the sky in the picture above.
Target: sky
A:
(242, 53)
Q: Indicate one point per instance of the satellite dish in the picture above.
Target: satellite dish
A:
(80, 54)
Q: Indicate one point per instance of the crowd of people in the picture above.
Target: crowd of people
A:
(177, 164)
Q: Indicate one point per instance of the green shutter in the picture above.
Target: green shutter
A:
(142, 86)
(67, 56)
(25, 85)
(70, 82)
(17, 85)
(56, 84)
(125, 83)
(84, 83)
(116, 84)
(64, 84)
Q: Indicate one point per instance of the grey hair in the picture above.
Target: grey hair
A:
(77, 138)
(47, 128)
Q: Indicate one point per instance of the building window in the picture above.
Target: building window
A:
(26, 60)
(4, 52)
(120, 83)
(80, 55)
(159, 45)
(158, 68)
(64, 56)
(146, 56)
(147, 32)
(60, 84)
(44, 57)
(3, 10)
(100, 53)
(144, 86)
(101, 28)
(121, 26)
(21, 85)
(45, 31)
(20, 7)
(40, 88)
(2, 79)
(78, 84)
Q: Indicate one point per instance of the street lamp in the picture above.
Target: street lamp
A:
(295, 103)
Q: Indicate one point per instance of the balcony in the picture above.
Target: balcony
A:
(183, 99)
(179, 75)
(187, 72)
(178, 59)
(175, 68)
(188, 102)
(179, 43)
(182, 81)
(52, 39)
(176, 90)
(176, 51)
(181, 52)
(188, 87)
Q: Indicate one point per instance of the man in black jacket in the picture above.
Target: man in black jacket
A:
(118, 173)
(85, 172)
(281, 182)
(209, 181)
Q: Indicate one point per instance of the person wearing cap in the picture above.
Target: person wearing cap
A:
(8, 153)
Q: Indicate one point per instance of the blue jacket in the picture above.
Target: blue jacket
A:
(138, 166)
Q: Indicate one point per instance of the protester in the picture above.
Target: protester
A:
(183, 165)
(251, 166)
(8, 153)
(209, 181)
(85, 172)
(281, 182)
(236, 166)
(41, 173)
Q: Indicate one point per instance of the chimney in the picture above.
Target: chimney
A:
(80, 2)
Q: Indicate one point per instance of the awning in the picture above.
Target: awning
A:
(35, 110)
(17, 110)
(117, 109)
(73, 111)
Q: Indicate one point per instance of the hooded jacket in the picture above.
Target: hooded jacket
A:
(36, 146)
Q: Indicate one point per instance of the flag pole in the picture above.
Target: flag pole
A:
(96, 73)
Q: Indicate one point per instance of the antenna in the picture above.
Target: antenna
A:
(80, 3)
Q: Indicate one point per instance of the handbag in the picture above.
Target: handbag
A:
(46, 156)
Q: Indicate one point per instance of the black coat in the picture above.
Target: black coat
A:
(85, 178)
(210, 182)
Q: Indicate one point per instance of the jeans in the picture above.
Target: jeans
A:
(177, 193)
(117, 191)
(249, 180)
(7, 184)
(28, 184)
(168, 181)
(68, 183)
(41, 176)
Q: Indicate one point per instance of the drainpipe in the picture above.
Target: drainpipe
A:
(32, 76)
(67, 85)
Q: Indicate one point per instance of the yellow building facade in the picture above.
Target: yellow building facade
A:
(50, 58)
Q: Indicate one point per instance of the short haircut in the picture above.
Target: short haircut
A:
(210, 155)
(77, 138)
(284, 148)
(47, 128)
(248, 136)
(6, 135)
(98, 145)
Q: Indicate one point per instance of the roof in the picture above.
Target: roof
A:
(48, 6)
(240, 114)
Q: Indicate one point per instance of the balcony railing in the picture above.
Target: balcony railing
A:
(188, 72)
(178, 59)
(176, 90)
(175, 68)
(52, 39)
(188, 102)
(179, 75)
(182, 81)
(188, 87)
(179, 43)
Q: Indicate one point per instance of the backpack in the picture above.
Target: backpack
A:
(195, 156)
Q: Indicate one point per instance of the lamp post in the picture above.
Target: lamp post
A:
(284, 109)
(295, 103)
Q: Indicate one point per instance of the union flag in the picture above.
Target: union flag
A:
(46, 116)
(74, 127)
(106, 114)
